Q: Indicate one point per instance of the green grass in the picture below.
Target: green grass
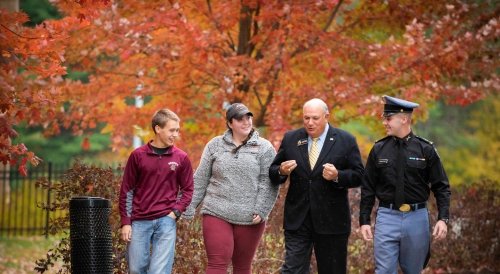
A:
(18, 254)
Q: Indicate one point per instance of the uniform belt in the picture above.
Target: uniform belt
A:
(404, 207)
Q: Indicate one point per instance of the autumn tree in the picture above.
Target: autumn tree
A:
(467, 139)
(32, 64)
(196, 56)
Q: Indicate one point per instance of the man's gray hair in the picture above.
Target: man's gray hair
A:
(317, 102)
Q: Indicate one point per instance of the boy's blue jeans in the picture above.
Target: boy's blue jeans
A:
(152, 247)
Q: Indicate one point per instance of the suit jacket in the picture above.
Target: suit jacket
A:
(327, 201)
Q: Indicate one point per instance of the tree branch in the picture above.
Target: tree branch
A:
(101, 71)
(301, 49)
(230, 43)
(255, 31)
(275, 69)
(245, 34)
(209, 6)
(19, 35)
(332, 15)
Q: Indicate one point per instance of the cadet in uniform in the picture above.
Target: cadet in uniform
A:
(401, 170)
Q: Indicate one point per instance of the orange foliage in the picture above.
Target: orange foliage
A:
(197, 56)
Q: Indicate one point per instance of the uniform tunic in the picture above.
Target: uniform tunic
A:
(421, 172)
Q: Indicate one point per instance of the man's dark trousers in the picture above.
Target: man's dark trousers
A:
(330, 250)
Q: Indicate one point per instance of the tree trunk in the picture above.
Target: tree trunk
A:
(10, 5)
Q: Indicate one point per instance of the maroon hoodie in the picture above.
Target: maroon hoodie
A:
(153, 185)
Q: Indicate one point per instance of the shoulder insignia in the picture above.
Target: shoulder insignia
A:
(382, 139)
(425, 140)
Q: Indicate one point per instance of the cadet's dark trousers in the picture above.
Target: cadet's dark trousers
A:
(330, 250)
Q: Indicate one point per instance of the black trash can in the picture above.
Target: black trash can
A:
(90, 235)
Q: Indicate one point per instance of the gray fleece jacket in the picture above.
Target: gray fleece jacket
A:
(234, 186)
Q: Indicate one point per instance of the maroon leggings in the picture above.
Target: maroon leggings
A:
(226, 243)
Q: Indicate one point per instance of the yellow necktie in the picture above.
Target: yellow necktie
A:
(314, 152)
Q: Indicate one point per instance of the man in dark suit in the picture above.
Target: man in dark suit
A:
(322, 163)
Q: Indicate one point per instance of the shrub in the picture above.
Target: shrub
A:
(471, 246)
(81, 180)
(472, 243)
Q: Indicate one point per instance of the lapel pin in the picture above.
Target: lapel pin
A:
(302, 142)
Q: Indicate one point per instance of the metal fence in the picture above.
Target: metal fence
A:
(21, 213)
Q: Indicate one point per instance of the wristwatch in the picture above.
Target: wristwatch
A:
(445, 220)
(177, 214)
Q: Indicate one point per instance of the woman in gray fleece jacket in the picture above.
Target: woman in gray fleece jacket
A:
(233, 183)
